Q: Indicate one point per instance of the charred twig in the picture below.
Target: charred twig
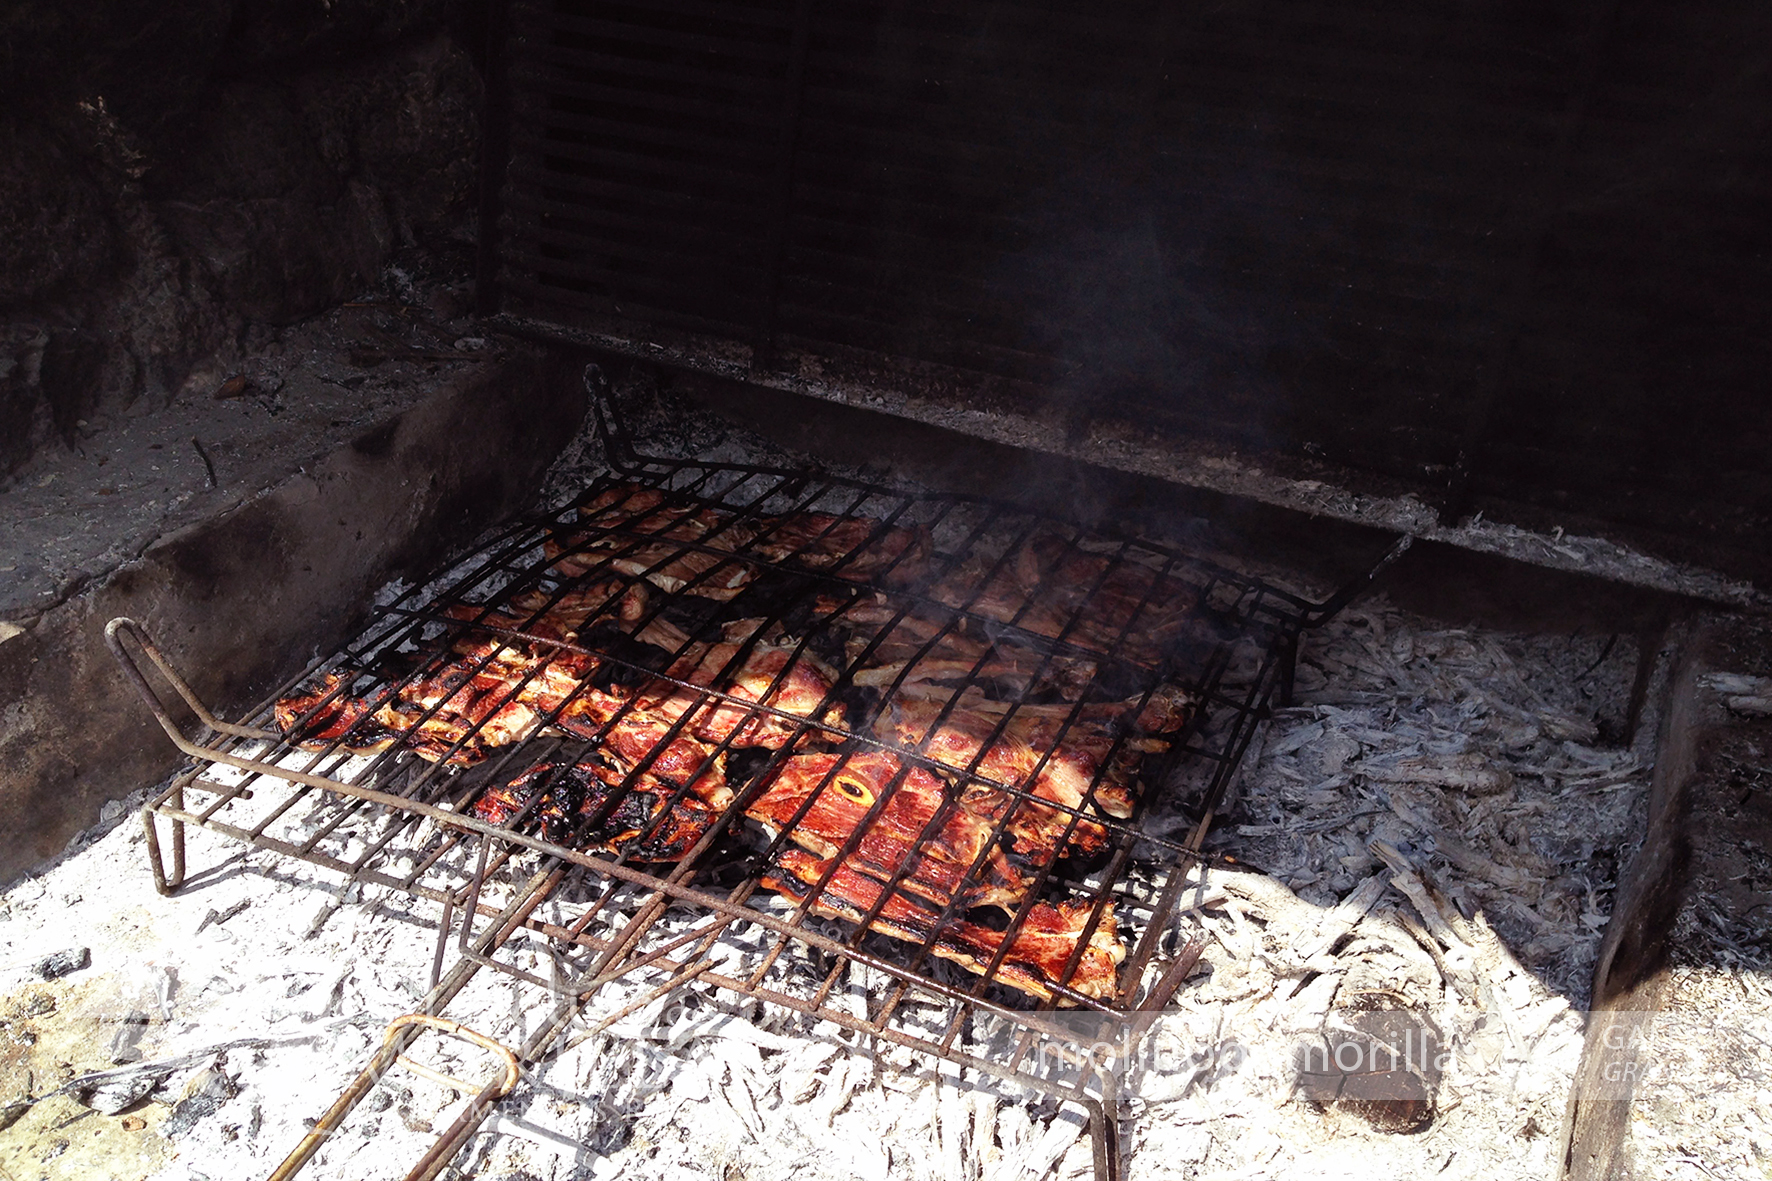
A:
(208, 466)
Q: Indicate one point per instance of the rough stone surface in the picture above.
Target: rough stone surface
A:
(244, 599)
(72, 515)
(180, 172)
(53, 228)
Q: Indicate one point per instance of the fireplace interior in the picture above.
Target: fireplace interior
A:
(1382, 384)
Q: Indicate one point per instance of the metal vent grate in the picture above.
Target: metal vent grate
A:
(1485, 251)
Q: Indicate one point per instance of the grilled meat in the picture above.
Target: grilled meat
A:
(555, 617)
(923, 825)
(911, 644)
(495, 694)
(646, 741)
(994, 784)
(965, 742)
(326, 714)
(602, 803)
(1036, 958)
(699, 548)
(684, 549)
(860, 549)
(778, 676)
(1051, 587)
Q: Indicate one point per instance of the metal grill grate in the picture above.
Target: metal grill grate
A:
(677, 711)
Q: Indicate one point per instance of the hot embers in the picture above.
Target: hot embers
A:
(951, 762)
(677, 730)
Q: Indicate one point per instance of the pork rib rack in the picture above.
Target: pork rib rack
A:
(764, 730)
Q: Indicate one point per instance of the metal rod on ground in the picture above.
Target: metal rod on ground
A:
(401, 1036)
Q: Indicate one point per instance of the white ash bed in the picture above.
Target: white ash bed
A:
(1433, 818)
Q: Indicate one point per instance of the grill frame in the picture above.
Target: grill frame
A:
(513, 871)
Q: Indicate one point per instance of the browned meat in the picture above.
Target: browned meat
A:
(778, 676)
(1034, 963)
(939, 845)
(603, 804)
(643, 739)
(545, 616)
(1080, 738)
(326, 714)
(847, 547)
(921, 648)
(964, 739)
(1052, 588)
(497, 693)
(625, 517)
(641, 533)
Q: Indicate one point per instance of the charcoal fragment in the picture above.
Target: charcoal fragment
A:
(115, 1095)
(203, 1097)
(63, 963)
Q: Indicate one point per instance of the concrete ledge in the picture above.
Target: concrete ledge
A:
(1020, 416)
(1670, 1065)
(243, 600)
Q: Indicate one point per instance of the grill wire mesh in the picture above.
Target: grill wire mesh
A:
(774, 732)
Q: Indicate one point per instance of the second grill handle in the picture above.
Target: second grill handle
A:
(114, 632)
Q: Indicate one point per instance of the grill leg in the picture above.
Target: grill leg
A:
(164, 882)
(1288, 669)
(1104, 1138)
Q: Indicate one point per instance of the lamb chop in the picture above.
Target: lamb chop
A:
(929, 645)
(847, 547)
(606, 805)
(1080, 737)
(1035, 960)
(777, 674)
(964, 741)
(1097, 602)
(560, 617)
(938, 844)
(489, 691)
(621, 520)
(324, 714)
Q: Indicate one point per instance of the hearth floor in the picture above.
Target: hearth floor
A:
(258, 969)
(1441, 816)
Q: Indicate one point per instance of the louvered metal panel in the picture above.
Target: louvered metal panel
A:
(1487, 250)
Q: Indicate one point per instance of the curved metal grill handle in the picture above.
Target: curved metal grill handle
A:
(114, 631)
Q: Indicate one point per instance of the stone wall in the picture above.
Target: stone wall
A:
(179, 172)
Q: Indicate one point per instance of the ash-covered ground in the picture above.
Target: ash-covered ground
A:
(1433, 829)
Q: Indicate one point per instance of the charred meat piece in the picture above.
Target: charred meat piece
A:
(645, 740)
(1034, 963)
(534, 790)
(919, 648)
(554, 617)
(497, 695)
(602, 803)
(326, 714)
(642, 532)
(1099, 602)
(923, 825)
(487, 692)
(860, 549)
(1085, 734)
(451, 718)
(1117, 604)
